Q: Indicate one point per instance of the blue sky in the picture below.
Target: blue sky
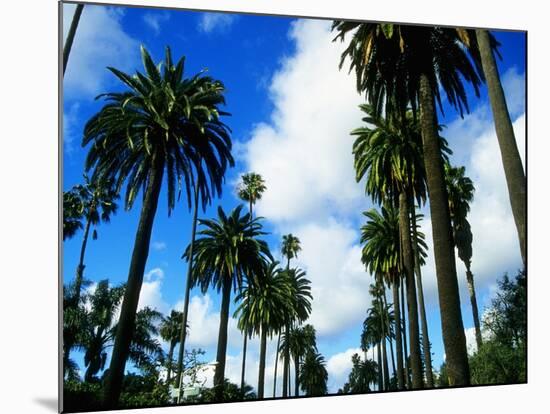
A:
(291, 113)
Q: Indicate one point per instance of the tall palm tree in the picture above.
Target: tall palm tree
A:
(170, 332)
(389, 154)
(163, 124)
(380, 237)
(461, 193)
(289, 249)
(70, 35)
(72, 214)
(301, 308)
(263, 309)
(96, 202)
(228, 252)
(401, 66)
(98, 327)
(300, 341)
(511, 160)
(362, 374)
(313, 374)
(377, 316)
(250, 189)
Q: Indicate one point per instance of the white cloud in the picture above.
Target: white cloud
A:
(151, 291)
(100, 41)
(158, 246)
(339, 366)
(211, 22)
(70, 132)
(155, 21)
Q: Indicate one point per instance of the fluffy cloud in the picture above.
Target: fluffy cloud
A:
(339, 366)
(211, 22)
(155, 21)
(151, 291)
(70, 133)
(99, 42)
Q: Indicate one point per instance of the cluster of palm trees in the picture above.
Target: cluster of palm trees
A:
(166, 130)
(404, 162)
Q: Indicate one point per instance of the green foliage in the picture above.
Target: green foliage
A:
(290, 247)
(142, 391)
(231, 392)
(162, 122)
(229, 250)
(81, 396)
(503, 356)
(442, 378)
(313, 375)
(251, 187)
(362, 374)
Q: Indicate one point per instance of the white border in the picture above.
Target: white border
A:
(28, 206)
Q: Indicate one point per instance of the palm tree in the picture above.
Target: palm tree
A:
(513, 168)
(170, 332)
(250, 189)
(390, 155)
(263, 309)
(300, 310)
(162, 124)
(94, 202)
(381, 254)
(400, 66)
(461, 193)
(144, 346)
(289, 249)
(71, 34)
(300, 341)
(362, 374)
(228, 251)
(377, 317)
(313, 375)
(72, 214)
(98, 329)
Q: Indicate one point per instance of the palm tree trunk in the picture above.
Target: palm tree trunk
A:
(383, 341)
(511, 160)
(296, 375)
(219, 375)
(452, 326)
(388, 333)
(188, 285)
(285, 364)
(398, 340)
(289, 379)
(473, 301)
(243, 366)
(423, 319)
(113, 383)
(68, 343)
(412, 307)
(404, 332)
(71, 34)
(380, 375)
(170, 356)
(276, 361)
(261, 373)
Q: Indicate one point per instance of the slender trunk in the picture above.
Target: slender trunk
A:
(261, 374)
(243, 366)
(113, 383)
(412, 307)
(452, 326)
(219, 375)
(473, 300)
(380, 375)
(170, 356)
(188, 285)
(276, 361)
(71, 34)
(296, 375)
(398, 340)
(68, 342)
(423, 319)
(511, 160)
(285, 364)
(383, 341)
(289, 380)
(389, 333)
(404, 333)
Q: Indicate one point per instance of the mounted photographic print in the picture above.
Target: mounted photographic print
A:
(274, 207)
